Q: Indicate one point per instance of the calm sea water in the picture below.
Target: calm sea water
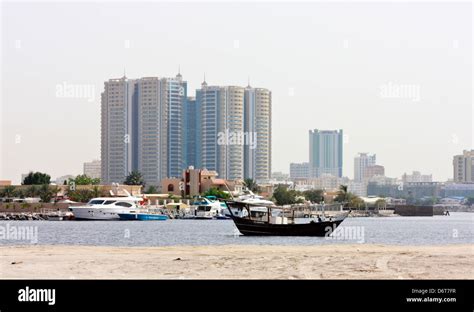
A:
(455, 229)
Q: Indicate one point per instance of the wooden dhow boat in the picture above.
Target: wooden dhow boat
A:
(251, 219)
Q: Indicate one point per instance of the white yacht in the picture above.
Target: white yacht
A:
(105, 208)
(250, 198)
(205, 208)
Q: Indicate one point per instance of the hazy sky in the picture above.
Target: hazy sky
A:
(329, 66)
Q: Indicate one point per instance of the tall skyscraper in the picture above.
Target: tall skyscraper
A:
(463, 167)
(149, 139)
(208, 99)
(175, 91)
(142, 128)
(361, 162)
(325, 152)
(222, 118)
(191, 129)
(258, 130)
(116, 129)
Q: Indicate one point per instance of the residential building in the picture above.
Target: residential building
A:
(372, 171)
(150, 135)
(357, 188)
(175, 91)
(326, 182)
(222, 120)
(361, 162)
(258, 131)
(142, 128)
(463, 167)
(192, 145)
(92, 169)
(116, 129)
(416, 176)
(194, 182)
(300, 171)
(325, 152)
(280, 176)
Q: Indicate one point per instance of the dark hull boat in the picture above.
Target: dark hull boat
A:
(249, 227)
(263, 226)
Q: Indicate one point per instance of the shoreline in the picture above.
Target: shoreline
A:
(354, 261)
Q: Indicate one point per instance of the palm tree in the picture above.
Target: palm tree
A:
(134, 178)
(343, 196)
(151, 190)
(46, 193)
(251, 185)
(356, 202)
(96, 191)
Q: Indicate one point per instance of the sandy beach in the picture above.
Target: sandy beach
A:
(361, 261)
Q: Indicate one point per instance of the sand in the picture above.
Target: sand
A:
(360, 261)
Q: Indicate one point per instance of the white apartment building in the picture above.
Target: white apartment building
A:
(116, 129)
(92, 169)
(222, 118)
(416, 176)
(258, 127)
(463, 167)
(361, 162)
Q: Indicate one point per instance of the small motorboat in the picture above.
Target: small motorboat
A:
(143, 216)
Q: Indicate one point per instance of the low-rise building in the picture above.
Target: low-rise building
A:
(416, 176)
(459, 189)
(197, 181)
(92, 169)
(300, 171)
(453, 200)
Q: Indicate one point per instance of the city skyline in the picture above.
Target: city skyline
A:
(411, 106)
(150, 125)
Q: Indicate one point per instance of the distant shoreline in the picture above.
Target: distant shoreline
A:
(355, 261)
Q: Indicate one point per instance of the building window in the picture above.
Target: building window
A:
(170, 188)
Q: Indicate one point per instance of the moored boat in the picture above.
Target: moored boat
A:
(279, 221)
(142, 216)
(105, 208)
(207, 208)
